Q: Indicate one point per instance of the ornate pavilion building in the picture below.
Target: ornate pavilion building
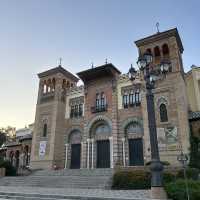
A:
(104, 123)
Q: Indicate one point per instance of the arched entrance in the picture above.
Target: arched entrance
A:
(17, 159)
(101, 146)
(75, 149)
(133, 134)
(26, 152)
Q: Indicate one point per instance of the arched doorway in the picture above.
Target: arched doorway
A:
(100, 134)
(75, 147)
(134, 132)
(17, 159)
(11, 157)
(26, 152)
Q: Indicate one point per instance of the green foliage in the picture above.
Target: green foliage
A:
(137, 179)
(169, 177)
(191, 173)
(10, 170)
(177, 191)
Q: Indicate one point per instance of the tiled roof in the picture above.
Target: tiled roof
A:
(194, 115)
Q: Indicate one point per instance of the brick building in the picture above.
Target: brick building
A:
(104, 123)
(18, 150)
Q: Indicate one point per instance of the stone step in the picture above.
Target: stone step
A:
(65, 178)
(25, 196)
(25, 192)
(75, 172)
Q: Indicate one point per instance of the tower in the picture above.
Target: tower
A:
(171, 105)
(47, 142)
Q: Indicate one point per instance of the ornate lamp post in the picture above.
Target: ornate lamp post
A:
(183, 158)
(150, 75)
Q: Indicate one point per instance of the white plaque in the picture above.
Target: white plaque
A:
(42, 148)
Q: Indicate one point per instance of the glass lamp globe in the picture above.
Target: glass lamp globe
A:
(164, 66)
(148, 57)
(142, 63)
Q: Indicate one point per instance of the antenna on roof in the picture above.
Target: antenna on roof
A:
(60, 62)
(106, 61)
(92, 65)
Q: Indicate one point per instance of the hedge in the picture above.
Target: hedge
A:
(10, 170)
(141, 179)
(138, 179)
(177, 191)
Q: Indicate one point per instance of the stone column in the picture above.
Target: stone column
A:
(88, 153)
(111, 151)
(123, 152)
(66, 155)
(92, 140)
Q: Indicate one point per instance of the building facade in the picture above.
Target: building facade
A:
(18, 151)
(104, 123)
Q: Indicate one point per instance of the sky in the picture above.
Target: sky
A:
(34, 34)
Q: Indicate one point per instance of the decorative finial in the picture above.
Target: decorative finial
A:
(157, 26)
(60, 61)
(106, 62)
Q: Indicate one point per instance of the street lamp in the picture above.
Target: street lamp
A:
(183, 158)
(150, 76)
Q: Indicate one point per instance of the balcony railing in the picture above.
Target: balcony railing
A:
(128, 105)
(76, 114)
(100, 108)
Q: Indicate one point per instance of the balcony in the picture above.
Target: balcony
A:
(76, 114)
(130, 105)
(101, 108)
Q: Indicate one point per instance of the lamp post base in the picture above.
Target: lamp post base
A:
(158, 193)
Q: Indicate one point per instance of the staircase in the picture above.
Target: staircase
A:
(36, 193)
(80, 184)
(70, 178)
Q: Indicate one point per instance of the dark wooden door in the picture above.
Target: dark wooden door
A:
(75, 156)
(103, 154)
(136, 156)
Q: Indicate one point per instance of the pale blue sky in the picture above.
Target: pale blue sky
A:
(35, 33)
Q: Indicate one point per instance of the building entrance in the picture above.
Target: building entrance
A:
(75, 156)
(103, 154)
(136, 156)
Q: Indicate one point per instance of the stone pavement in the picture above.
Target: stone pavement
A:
(7, 192)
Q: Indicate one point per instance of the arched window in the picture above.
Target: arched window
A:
(103, 100)
(98, 101)
(64, 84)
(49, 85)
(102, 129)
(163, 113)
(45, 87)
(165, 50)
(125, 100)
(134, 128)
(131, 98)
(44, 130)
(68, 84)
(148, 51)
(75, 137)
(157, 54)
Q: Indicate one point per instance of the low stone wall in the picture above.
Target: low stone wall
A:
(2, 172)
